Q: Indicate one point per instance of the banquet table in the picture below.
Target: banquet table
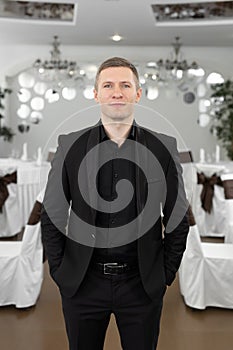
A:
(31, 179)
(216, 222)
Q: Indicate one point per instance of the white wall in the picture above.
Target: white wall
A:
(181, 115)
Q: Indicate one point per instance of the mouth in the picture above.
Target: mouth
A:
(117, 104)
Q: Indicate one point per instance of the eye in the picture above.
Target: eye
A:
(107, 86)
(126, 86)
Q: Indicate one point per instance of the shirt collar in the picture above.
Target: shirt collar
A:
(104, 136)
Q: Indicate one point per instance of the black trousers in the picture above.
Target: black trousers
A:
(87, 313)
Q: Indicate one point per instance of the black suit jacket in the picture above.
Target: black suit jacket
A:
(160, 248)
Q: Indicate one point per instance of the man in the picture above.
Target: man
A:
(109, 248)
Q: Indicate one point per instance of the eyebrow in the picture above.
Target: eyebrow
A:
(122, 82)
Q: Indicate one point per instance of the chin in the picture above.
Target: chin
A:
(119, 116)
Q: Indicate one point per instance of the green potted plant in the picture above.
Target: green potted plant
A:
(223, 115)
(5, 131)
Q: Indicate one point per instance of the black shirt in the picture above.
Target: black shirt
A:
(112, 171)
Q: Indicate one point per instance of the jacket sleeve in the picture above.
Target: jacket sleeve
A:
(175, 218)
(55, 210)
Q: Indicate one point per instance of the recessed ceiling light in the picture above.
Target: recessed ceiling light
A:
(116, 37)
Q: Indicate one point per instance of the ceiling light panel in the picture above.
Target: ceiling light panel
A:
(193, 12)
(64, 12)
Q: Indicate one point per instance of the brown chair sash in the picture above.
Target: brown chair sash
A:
(50, 156)
(207, 192)
(4, 181)
(34, 217)
(186, 157)
(228, 189)
(191, 218)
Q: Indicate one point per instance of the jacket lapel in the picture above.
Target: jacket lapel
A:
(92, 168)
(140, 157)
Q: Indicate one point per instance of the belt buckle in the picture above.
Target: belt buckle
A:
(111, 265)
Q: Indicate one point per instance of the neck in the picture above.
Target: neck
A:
(117, 131)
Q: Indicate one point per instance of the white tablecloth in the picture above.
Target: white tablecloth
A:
(215, 223)
(31, 179)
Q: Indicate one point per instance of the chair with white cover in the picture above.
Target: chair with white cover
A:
(10, 214)
(209, 209)
(21, 269)
(227, 180)
(206, 273)
(189, 174)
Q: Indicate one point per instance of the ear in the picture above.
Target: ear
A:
(139, 95)
(96, 95)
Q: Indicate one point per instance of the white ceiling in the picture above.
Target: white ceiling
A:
(97, 20)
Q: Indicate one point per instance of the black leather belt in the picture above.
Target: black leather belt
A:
(113, 268)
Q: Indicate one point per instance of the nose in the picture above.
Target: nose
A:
(117, 93)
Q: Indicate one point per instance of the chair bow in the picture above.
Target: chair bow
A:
(4, 181)
(191, 218)
(207, 192)
(34, 217)
(228, 189)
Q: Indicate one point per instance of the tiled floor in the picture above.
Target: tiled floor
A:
(42, 328)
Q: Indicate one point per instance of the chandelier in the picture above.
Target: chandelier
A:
(61, 73)
(174, 71)
(47, 81)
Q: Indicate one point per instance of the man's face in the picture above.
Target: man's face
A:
(117, 93)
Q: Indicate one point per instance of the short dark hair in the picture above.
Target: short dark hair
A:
(117, 62)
